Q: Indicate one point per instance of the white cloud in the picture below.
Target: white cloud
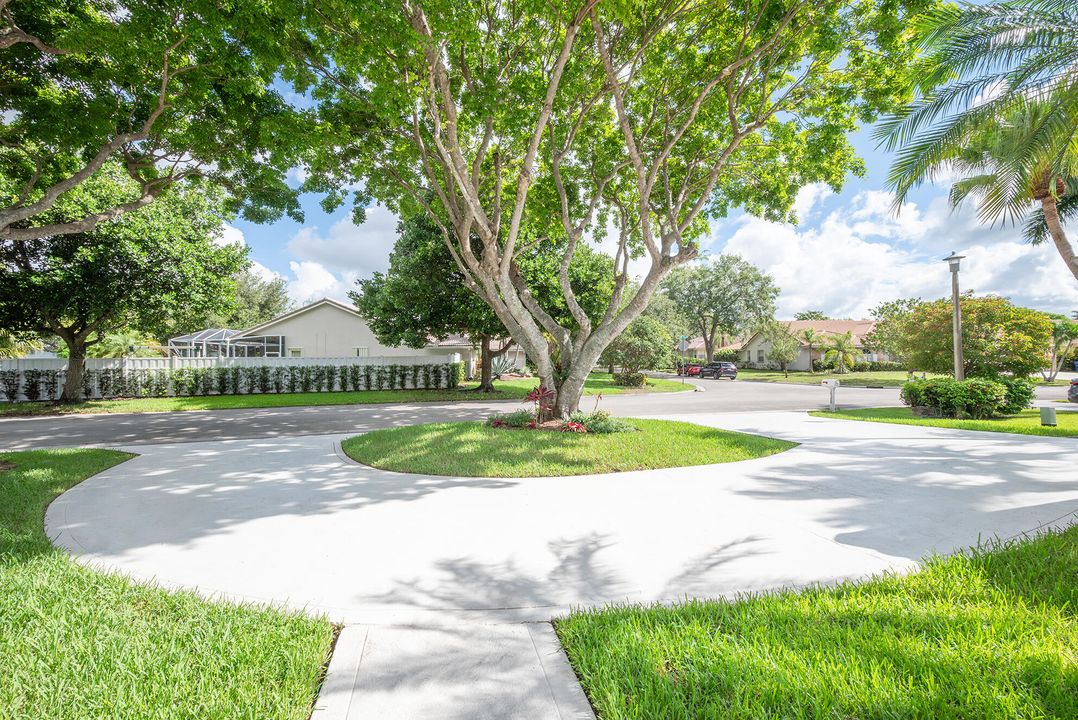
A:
(230, 235)
(312, 281)
(347, 247)
(861, 254)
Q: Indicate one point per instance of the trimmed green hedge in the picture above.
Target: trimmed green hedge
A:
(975, 397)
(114, 383)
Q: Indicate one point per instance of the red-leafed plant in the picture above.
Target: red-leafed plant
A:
(532, 425)
(497, 422)
(573, 427)
(544, 402)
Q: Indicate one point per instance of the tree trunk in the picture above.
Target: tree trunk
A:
(1055, 228)
(486, 362)
(76, 368)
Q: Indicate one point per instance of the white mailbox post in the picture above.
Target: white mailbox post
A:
(831, 385)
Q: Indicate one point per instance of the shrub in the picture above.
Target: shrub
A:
(159, 383)
(294, 378)
(630, 379)
(31, 384)
(279, 374)
(221, 377)
(515, 419)
(601, 422)
(9, 384)
(250, 378)
(50, 383)
(455, 375)
(426, 376)
(975, 397)
(234, 381)
(264, 378)
(355, 377)
(415, 376)
(1019, 394)
(573, 427)
(206, 381)
(306, 378)
(727, 355)
(368, 377)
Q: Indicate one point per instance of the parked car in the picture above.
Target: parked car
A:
(689, 369)
(719, 370)
(1072, 391)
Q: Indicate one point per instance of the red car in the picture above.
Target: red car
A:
(689, 369)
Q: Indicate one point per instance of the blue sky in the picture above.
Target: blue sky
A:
(848, 253)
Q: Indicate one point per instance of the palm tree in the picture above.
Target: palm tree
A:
(811, 337)
(841, 349)
(14, 345)
(998, 102)
(125, 344)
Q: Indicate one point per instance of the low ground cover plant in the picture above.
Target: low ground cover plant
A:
(977, 398)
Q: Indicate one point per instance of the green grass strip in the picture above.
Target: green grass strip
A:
(1028, 422)
(987, 635)
(76, 643)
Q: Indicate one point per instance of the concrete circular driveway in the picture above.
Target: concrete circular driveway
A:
(291, 520)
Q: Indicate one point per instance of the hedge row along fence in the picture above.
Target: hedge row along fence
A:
(35, 384)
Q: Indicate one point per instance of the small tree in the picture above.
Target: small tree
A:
(887, 334)
(812, 337)
(841, 350)
(784, 346)
(997, 337)
(644, 344)
(811, 315)
(135, 272)
(727, 296)
(125, 344)
(14, 344)
(1064, 333)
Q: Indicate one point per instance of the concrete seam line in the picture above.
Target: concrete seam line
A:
(542, 667)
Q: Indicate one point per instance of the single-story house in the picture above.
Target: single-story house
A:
(755, 350)
(325, 328)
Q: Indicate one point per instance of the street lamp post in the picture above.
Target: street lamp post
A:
(953, 260)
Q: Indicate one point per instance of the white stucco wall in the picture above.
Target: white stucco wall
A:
(330, 331)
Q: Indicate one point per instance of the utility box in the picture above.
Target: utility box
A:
(1048, 416)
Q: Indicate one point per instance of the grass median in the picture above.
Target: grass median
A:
(1028, 422)
(987, 635)
(509, 389)
(77, 643)
(471, 449)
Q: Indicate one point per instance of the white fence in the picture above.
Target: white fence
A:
(160, 366)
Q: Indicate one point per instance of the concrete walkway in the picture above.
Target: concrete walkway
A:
(431, 573)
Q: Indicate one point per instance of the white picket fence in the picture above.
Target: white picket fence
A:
(133, 365)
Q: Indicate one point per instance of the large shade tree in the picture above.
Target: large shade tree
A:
(998, 105)
(166, 90)
(520, 124)
(132, 273)
(728, 296)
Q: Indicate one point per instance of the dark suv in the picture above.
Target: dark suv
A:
(719, 370)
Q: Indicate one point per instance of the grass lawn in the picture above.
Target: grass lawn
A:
(1028, 422)
(882, 378)
(873, 378)
(514, 389)
(77, 643)
(991, 634)
(471, 449)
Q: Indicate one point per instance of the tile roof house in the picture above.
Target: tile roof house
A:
(756, 348)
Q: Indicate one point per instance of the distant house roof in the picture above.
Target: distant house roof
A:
(257, 329)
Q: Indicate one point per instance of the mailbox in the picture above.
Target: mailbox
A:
(829, 383)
